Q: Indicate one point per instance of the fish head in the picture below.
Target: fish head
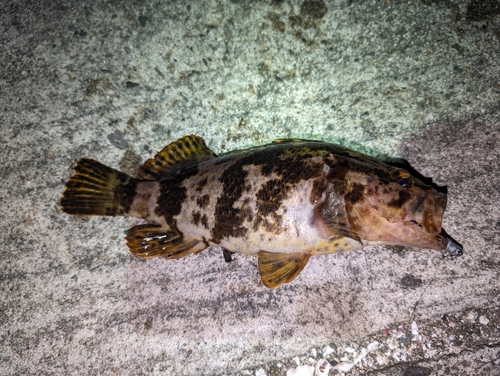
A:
(387, 205)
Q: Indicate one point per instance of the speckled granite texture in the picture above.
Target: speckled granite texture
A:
(118, 80)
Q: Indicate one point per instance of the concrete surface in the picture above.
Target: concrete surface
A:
(118, 80)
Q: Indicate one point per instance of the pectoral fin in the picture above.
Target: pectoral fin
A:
(154, 240)
(331, 215)
(278, 268)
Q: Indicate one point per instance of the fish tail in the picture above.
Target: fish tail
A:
(96, 189)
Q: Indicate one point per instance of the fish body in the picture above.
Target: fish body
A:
(283, 202)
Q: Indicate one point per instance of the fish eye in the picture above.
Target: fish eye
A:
(405, 182)
(402, 177)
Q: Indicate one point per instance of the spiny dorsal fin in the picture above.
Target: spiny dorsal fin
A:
(278, 268)
(188, 149)
(154, 240)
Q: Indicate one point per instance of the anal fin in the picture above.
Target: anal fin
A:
(154, 240)
(278, 268)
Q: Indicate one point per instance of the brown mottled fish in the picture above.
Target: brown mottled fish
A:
(283, 202)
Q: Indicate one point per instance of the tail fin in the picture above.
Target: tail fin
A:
(96, 189)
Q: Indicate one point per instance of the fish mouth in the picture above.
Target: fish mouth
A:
(446, 241)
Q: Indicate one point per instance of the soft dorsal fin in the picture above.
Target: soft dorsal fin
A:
(278, 268)
(188, 149)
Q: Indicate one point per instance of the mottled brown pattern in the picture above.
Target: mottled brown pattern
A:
(339, 170)
(344, 164)
(269, 201)
(228, 220)
(272, 194)
(292, 164)
(173, 194)
(196, 218)
(204, 221)
(355, 193)
(201, 184)
(318, 188)
(125, 194)
(203, 201)
(403, 196)
(247, 212)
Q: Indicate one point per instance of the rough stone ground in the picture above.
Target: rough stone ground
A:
(117, 80)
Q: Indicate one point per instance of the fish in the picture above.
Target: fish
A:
(283, 202)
